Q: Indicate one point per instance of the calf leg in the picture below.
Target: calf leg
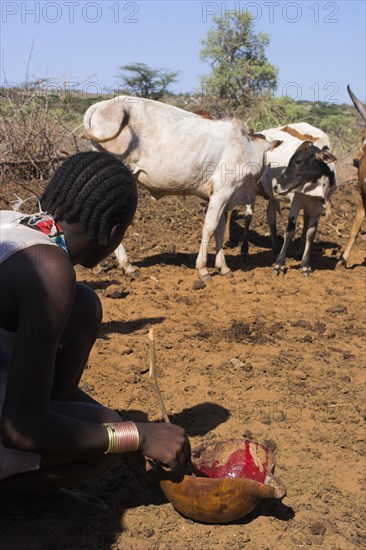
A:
(272, 208)
(290, 233)
(360, 216)
(300, 250)
(248, 216)
(214, 214)
(123, 261)
(310, 235)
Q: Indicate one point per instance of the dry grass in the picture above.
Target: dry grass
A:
(34, 137)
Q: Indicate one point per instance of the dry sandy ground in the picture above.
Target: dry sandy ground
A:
(277, 359)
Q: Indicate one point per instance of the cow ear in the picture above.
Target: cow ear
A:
(256, 136)
(325, 155)
(274, 144)
(305, 146)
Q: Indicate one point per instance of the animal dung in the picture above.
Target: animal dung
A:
(229, 479)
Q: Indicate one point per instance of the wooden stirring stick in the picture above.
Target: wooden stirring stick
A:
(152, 376)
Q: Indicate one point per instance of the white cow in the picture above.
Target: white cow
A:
(175, 152)
(310, 197)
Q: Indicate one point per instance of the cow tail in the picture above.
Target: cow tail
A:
(91, 137)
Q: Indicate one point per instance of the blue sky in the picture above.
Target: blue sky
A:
(318, 46)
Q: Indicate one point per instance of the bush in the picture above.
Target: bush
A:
(34, 133)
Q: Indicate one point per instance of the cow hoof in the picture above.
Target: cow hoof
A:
(278, 270)
(306, 271)
(198, 285)
(341, 263)
(133, 274)
(229, 274)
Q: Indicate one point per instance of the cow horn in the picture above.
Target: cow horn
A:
(357, 103)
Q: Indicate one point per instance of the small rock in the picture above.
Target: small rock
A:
(319, 327)
(139, 369)
(317, 528)
(190, 388)
(130, 378)
(337, 309)
(302, 324)
(248, 434)
(117, 293)
(124, 350)
(88, 388)
(236, 362)
(198, 285)
(299, 374)
(270, 444)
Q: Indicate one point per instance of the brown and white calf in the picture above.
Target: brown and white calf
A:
(176, 152)
(360, 163)
(310, 197)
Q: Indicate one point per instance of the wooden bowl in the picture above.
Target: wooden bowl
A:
(229, 480)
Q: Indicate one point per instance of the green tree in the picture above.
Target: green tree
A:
(144, 81)
(240, 71)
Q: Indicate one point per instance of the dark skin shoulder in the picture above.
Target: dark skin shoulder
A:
(29, 277)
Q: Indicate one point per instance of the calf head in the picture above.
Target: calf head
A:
(307, 164)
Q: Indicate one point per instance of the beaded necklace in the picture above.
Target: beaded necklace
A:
(49, 227)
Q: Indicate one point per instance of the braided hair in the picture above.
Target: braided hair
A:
(93, 189)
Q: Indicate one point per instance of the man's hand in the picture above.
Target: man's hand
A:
(167, 444)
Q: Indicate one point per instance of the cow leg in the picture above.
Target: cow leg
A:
(272, 208)
(290, 233)
(123, 261)
(310, 235)
(248, 216)
(227, 238)
(360, 216)
(220, 261)
(215, 212)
